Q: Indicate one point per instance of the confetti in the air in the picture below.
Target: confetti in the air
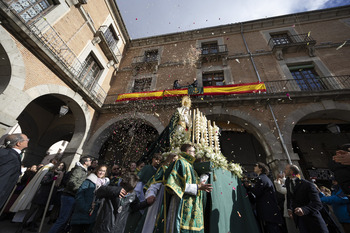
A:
(341, 45)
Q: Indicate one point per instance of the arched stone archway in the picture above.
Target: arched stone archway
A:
(332, 107)
(12, 79)
(307, 133)
(94, 144)
(259, 129)
(275, 156)
(78, 107)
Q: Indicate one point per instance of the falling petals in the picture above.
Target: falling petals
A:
(341, 45)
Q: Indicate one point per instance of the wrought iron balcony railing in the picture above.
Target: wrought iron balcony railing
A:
(308, 85)
(146, 59)
(213, 50)
(109, 44)
(58, 48)
(291, 40)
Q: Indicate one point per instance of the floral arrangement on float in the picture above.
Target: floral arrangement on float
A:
(205, 138)
(206, 135)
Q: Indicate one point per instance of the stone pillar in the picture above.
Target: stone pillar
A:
(70, 157)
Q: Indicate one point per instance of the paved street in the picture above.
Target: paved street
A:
(6, 226)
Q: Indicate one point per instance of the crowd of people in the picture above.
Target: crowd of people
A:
(163, 196)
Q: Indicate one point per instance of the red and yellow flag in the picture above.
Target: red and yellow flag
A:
(211, 90)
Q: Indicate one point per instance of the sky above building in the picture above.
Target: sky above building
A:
(146, 18)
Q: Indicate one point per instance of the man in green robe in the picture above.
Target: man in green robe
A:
(185, 212)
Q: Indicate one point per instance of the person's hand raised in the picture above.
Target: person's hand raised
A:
(342, 157)
(122, 193)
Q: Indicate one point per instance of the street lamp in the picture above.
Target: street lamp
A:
(63, 110)
(333, 128)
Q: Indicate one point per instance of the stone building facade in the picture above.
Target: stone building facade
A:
(79, 55)
(54, 54)
(301, 59)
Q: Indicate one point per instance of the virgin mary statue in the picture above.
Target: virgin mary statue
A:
(176, 133)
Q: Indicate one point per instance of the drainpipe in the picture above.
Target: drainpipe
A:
(272, 113)
(88, 19)
(250, 54)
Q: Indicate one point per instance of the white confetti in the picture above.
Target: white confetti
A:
(341, 45)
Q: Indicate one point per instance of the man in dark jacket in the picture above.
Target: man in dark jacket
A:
(10, 164)
(303, 202)
(77, 177)
(266, 203)
(119, 202)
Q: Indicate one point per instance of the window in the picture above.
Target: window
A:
(306, 77)
(142, 84)
(151, 55)
(210, 47)
(280, 39)
(91, 72)
(111, 37)
(29, 9)
(213, 79)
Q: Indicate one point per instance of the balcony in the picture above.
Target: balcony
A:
(285, 41)
(146, 61)
(213, 52)
(48, 46)
(108, 44)
(300, 90)
(291, 43)
(321, 84)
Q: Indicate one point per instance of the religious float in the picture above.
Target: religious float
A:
(227, 207)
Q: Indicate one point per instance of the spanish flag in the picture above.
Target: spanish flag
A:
(211, 90)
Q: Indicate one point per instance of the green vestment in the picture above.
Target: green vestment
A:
(190, 212)
(146, 173)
